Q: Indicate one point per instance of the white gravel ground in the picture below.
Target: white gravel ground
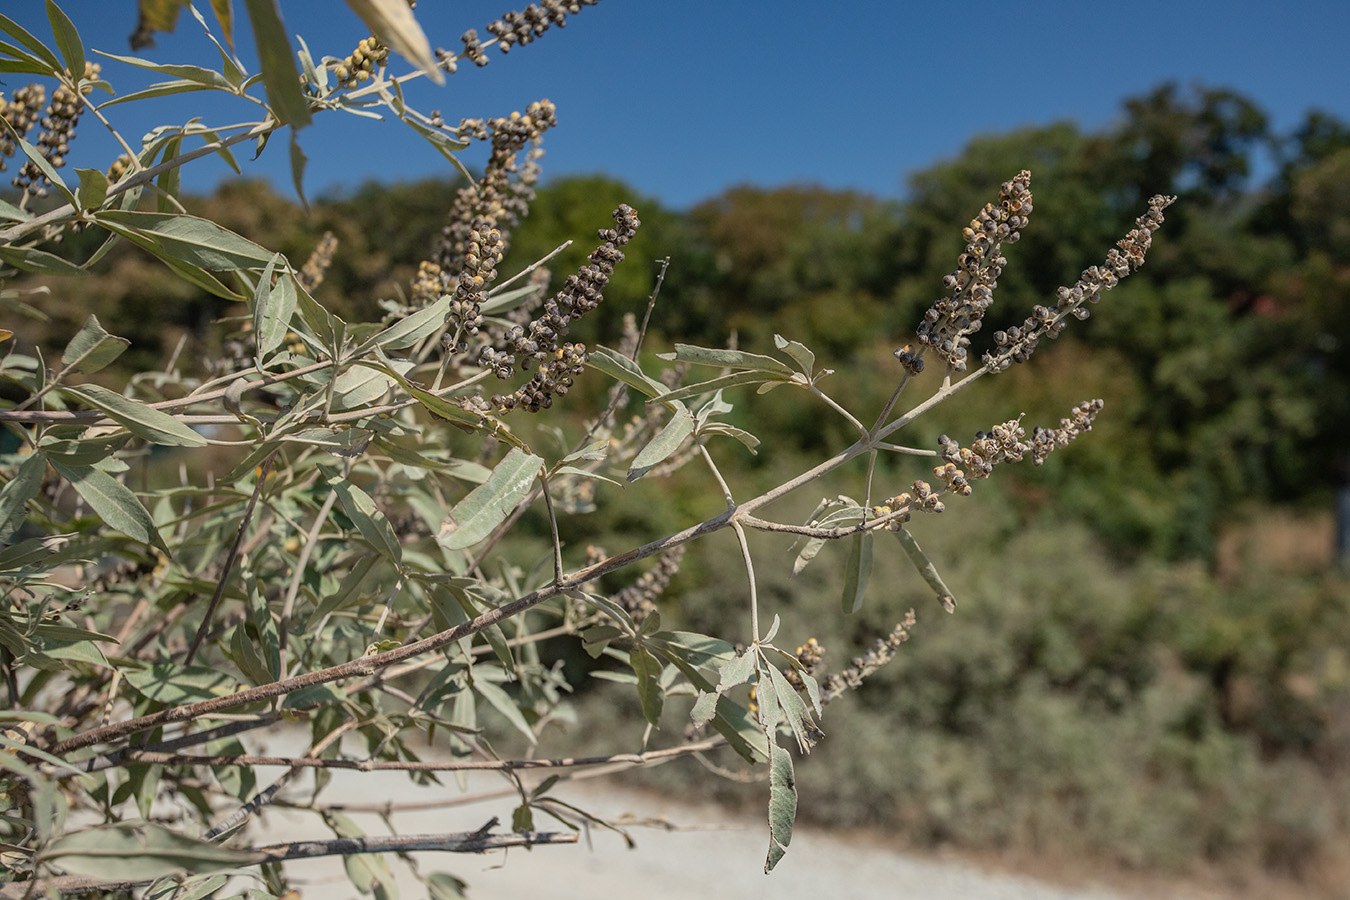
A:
(714, 854)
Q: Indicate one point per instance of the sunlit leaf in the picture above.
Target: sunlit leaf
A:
(648, 671)
(393, 23)
(663, 445)
(195, 241)
(728, 359)
(67, 40)
(488, 505)
(279, 72)
(621, 368)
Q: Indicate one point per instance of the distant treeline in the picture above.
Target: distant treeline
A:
(1224, 362)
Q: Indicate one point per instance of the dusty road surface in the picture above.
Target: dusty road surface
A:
(713, 854)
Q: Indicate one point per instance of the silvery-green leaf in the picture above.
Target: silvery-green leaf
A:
(857, 572)
(663, 445)
(488, 505)
(782, 804)
(113, 501)
(141, 420)
(92, 348)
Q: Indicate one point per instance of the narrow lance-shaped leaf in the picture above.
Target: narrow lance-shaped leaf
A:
(488, 505)
(113, 501)
(141, 420)
(752, 376)
(40, 261)
(20, 34)
(21, 488)
(44, 166)
(361, 509)
(926, 569)
(197, 75)
(502, 702)
(857, 572)
(799, 353)
(139, 852)
(661, 447)
(648, 671)
(782, 804)
(279, 72)
(273, 306)
(67, 40)
(298, 162)
(413, 328)
(621, 368)
(92, 348)
(195, 241)
(727, 359)
(794, 709)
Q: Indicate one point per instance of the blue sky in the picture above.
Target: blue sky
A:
(684, 99)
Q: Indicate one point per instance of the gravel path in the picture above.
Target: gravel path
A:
(714, 854)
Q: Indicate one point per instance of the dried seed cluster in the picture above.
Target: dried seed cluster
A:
(119, 168)
(881, 652)
(1005, 443)
(58, 130)
(1045, 440)
(948, 323)
(473, 49)
(911, 360)
(539, 342)
(312, 272)
(640, 598)
(503, 195)
(1018, 343)
(810, 655)
(921, 498)
(526, 26)
(360, 66)
(22, 112)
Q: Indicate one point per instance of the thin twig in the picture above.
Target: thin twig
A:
(148, 757)
(263, 470)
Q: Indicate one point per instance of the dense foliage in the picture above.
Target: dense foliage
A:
(258, 495)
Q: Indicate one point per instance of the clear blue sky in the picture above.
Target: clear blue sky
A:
(683, 99)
